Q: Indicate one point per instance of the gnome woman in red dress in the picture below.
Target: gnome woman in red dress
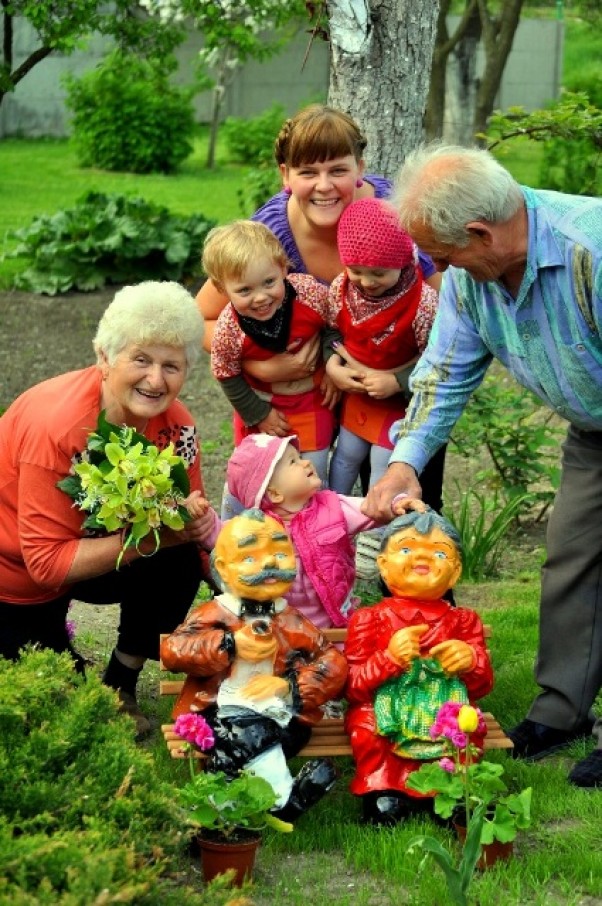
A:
(407, 655)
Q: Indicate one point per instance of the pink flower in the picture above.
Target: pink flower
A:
(446, 724)
(459, 739)
(195, 729)
(446, 764)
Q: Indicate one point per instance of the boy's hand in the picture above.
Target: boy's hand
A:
(275, 424)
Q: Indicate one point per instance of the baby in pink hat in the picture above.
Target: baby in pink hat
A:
(269, 473)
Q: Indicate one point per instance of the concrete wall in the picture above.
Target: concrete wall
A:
(37, 108)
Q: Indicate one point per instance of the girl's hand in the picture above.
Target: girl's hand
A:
(275, 424)
(344, 377)
(380, 384)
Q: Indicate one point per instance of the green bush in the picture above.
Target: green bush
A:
(248, 140)
(258, 185)
(84, 817)
(519, 438)
(108, 239)
(127, 116)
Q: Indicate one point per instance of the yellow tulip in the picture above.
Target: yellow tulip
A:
(468, 719)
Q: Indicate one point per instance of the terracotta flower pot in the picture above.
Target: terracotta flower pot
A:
(490, 852)
(218, 856)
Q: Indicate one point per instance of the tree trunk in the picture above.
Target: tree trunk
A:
(469, 100)
(498, 35)
(444, 45)
(216, 106)
(379, 73)
(463, 83)
(435, 105)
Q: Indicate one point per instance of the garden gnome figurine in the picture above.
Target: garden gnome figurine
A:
(407, 655)
(258, 670)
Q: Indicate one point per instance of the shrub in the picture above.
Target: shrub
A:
(84, 817)
(108, 239)
(520, 436)
(248, 140)
(258, 185)
(483, 525)
(127, 116)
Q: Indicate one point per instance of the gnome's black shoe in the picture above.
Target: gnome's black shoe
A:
(312, 782)
(385, 808)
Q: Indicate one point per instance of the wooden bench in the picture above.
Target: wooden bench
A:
(328, 738)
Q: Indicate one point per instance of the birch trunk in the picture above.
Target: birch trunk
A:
(380, 71)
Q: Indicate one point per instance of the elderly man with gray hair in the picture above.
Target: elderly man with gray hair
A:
(522, 284)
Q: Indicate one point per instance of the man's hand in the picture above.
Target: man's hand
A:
(404, 645)
(400, 478)
(455, 656)
(275, 424)
(261, 687)
(252, 647)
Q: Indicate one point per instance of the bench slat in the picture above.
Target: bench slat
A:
(328, 738)
(332, 739)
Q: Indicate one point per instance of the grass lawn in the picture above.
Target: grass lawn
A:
(41, 176)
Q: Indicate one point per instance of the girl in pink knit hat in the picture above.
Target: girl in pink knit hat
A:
(384, 312)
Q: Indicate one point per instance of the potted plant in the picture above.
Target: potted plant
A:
(227, 813)
(473, 795)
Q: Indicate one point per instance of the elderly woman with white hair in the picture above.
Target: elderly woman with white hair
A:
(147, 339)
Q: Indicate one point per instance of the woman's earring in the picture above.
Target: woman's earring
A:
(287, 190)
(359, 183)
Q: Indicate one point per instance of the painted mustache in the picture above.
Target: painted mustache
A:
(281, 575)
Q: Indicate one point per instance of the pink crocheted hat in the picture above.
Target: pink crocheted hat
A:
(370, 235)
(252, 465)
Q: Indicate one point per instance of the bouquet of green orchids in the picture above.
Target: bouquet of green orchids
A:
(127, 484)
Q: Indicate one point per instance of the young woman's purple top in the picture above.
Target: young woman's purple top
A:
(273, 214)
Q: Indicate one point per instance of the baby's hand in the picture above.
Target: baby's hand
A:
(402, 504)
(196, 505)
